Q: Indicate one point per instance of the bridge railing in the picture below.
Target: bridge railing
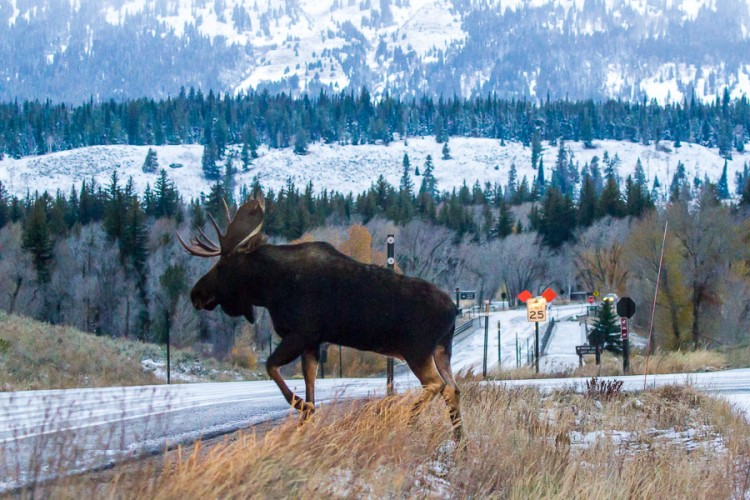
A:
(546, 337)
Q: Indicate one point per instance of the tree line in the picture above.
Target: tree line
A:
(36, 127)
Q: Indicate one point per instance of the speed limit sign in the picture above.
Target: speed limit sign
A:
(536, 310)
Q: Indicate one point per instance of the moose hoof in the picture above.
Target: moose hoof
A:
(307, 409)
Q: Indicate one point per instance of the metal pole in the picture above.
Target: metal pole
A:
(391, 261)
(499, 349)
(169, 370)
(536, 346)
(486, 336)
(518, 353)
(341, 365)
(528, 351)
(626, 350)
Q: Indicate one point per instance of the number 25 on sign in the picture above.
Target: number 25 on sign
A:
(536, 310)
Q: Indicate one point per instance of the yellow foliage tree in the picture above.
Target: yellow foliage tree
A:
(359, 244)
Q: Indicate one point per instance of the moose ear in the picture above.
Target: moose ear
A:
(251, 242)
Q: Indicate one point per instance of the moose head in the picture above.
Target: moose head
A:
(220, 286)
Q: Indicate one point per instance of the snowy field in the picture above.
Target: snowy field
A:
(349, 168)
(469, 351)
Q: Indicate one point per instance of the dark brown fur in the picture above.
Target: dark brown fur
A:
(316, 294)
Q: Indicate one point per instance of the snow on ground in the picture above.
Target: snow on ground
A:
(469, 351)
(349, 168)
(561, 350)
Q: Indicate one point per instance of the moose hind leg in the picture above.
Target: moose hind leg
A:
(310, 359)
(451, 393)
(287, 351)
(432, 383)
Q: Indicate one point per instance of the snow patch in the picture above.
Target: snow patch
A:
(349, 168)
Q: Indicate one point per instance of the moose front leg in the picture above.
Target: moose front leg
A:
(287, 351)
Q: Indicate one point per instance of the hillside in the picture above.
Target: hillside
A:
(664, 49)
(354, 168)
(36, 355)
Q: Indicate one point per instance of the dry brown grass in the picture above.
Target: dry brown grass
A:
(519, 444)
(661, 362)
(36, 355)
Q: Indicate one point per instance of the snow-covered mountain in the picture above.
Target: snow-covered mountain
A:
(663, 49)
(353, 168)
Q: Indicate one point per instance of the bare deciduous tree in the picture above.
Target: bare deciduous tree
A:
(600, 256)
(706, 236)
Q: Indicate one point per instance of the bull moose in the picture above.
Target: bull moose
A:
(316, 294)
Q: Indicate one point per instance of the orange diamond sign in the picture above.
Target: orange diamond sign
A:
(524, 296)
(549, 294)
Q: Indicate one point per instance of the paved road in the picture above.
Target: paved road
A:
(42, 432)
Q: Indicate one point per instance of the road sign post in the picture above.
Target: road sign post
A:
(499, 349)
(536, 312)
(536, 346)
(486, 336)
(169, 354)
(626, 310)
(581, 350)
(391, 261)
(625, 345)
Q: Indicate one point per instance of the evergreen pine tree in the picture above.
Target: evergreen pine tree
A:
(133, 244)
(536, 149)
(596, 175)
(149, 206)
(429, 184)
(151, 164)
(405, 184)
(300, 142)
(208, 162)
(610, 202)
(446, 151)
(540, 185)
(38, 241)
(723, 186)
(639, 176)
(679, 188)
(556, 218)
(587, 203)
(745, 197)
(655, 188)
(511, 188)
(504, 226)
(228, 181)
(245, 158)
(587, 134)
(114, 209)
(559, 174)
(4, 206)
(166, 198)
(197, 216)
(606, 330)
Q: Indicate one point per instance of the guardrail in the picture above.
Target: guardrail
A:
(465, 326)
(546, 337)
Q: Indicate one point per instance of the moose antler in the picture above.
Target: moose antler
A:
(243, 227)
